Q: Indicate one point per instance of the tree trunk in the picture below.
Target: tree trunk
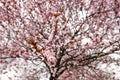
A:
(51, 78)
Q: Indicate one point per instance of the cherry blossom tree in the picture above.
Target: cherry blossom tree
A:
(71, 37)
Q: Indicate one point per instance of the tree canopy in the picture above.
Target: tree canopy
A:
(71, 37)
